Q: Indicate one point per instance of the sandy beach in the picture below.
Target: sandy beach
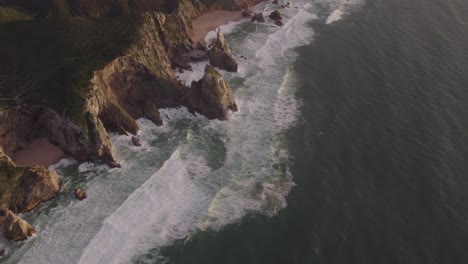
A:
(211, 20)
(39, 152)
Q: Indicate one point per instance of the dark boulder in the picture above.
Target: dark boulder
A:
(15, 228)
(258, 17)
(276, 16)
(80, 194)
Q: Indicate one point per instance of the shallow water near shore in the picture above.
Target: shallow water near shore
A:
(349, 147)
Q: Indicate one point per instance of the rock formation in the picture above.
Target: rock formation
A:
(15, 228)
(220, 54)
(212, 96)
(80, 194)
(276, 16)
(136, 141)
(258, 17)
(23, 188)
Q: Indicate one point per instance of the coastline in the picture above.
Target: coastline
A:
(210, 21)
(42, 152)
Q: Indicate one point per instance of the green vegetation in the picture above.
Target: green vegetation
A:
(50, 61)
(11, 15)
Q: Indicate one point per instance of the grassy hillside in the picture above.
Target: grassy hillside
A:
(50, 61)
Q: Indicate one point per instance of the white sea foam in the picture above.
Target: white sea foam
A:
(339, 8)
(336, 15)
(188, 76)
(62, 163)
(164, 208)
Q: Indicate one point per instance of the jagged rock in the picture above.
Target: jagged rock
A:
(275, 2)
(151, 112)
(80, 194)
(275, 15)
(15, 228)
(23, 188)
(279, 23)
(247, 12)
(136, 141)
(201, 45)
(220, 55)
(212, 96)
(2, 252)
(258, 17)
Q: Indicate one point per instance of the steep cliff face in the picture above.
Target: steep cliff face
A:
(137, 83)
(23, 188)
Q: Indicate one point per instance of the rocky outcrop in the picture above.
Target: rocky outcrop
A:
(212, 96)
(80, 194)
(83, 138)
(15, 228)
(220, 54)
(275, 15)
(247, 12)
(258, 17)
(23, 188)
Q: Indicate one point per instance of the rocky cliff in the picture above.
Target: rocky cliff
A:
(95, 94)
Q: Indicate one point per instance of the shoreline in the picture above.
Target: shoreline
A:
(209, 21)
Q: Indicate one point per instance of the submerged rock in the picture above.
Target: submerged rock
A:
(275, 15)
(279, 23)
(258, 17)
(15, 228)
(212, 96)
(136, 141)
(80, 194)
(220, 55)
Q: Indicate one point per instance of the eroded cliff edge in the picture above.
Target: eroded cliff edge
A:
(81, 77)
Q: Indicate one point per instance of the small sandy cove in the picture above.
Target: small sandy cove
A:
(39, 152)
(210, 21)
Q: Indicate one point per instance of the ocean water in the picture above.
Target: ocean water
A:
(349, 147)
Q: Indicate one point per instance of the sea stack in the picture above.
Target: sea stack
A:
(220, 54)
(212, 96)
(15, 228)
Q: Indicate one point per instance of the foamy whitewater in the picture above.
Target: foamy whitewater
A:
(191, 173)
